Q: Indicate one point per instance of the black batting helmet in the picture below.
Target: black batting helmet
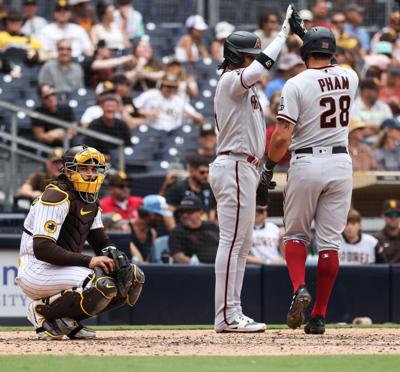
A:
(240, 43)
(318, 40)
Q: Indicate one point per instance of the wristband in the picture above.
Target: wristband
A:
(269, 164)
(266, 61)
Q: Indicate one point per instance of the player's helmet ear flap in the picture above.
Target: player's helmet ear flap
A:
(240, 43)
(318, 40)
(83, 156)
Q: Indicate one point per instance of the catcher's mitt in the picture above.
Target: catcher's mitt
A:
(296, 23)
(123, 269)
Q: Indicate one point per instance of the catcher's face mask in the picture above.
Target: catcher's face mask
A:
(87, 172)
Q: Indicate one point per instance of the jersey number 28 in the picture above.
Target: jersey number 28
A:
(329, 116)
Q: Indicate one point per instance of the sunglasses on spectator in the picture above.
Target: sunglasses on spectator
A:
(46, 96)
(392, 214)
(203, 172)
(124, 186)
(64, 48)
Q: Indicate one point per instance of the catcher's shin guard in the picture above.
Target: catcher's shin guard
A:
(81, 302)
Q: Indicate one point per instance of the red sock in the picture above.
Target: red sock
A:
(296, 254)
(328, 266)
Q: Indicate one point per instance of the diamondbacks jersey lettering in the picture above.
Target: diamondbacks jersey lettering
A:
(362, 252)
(318, 102)
(238, 116)
(266, 242)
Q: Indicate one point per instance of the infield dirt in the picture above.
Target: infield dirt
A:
(207, 342)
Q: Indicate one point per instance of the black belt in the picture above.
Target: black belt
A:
(335, 150)
(27, 231)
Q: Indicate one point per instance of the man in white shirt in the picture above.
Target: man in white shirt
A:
(33, 23)
(61, 28)
(163, 108)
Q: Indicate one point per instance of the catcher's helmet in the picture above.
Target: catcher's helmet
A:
(240, 43)
(74, 161)
(318, 40)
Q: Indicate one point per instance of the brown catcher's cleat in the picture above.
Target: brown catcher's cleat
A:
(300, 302)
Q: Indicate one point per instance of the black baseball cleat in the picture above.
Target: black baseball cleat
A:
(316, 326)
(300, 302)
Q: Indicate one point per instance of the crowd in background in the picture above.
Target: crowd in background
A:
(104, 48)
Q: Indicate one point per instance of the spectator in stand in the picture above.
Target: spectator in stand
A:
(61, 28)
(347, 58)
(289, 65)
(164, 109)
(344, 39)
(190, 47)
(33, 23)
(222, 31)
(143, 229)
(267, 28)
(361, 154)
(24, 47)
(145, 70)
(129, 113)
(207, 143)
(369, 108)
(119, 199)
(357, 247)
(37, 181)
(267, 240)
(320, 10)
(387, 149)
(129, 19)
(392, 29)
(108, 30)
(66, 76)
(48, 133)
(101, 66)
(113, 222)
(391, 90)
(283, 164)
(110, 125)
(193, 240)
(307, 17)
(389, 236)
(355, 18)
(83, 14)
(195, 184)
(187, 87)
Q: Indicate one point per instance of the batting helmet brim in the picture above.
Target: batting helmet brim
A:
(254, 51)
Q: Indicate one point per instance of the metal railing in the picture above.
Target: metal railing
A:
(12, 142)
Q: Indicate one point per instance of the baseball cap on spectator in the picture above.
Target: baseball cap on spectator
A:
(391, 208)
(197, 22)
(288, 61)
(207, 129)
(356, 123)
(306, 15)
(189, 203)
(384, 47)
(392, 123)
(170, 80)
(156, 204)
(119, 179)
(105, 87)
(223, 30)
(62, 5)
(14, 15)
(56, 155)
(353, 7)
(113, 221)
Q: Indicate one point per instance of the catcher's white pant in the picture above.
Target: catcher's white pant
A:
(234, 182)
(39, 279)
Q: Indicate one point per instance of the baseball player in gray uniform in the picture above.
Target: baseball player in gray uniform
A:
(312, 122)
(233, 175)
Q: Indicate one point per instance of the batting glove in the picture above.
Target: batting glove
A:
(296, 23)
(286, 25)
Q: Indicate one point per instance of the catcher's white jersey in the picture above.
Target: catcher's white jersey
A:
(318, 102)
(362, 252)
(238, 116)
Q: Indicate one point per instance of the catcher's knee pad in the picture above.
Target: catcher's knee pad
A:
(80, 302)
(136, 287)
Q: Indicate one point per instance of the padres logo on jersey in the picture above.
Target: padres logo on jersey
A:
(51, 226)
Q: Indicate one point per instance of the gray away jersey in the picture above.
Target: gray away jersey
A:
(238, 116)
(318, 103)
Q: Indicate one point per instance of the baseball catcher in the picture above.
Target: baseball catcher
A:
(67, 286)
